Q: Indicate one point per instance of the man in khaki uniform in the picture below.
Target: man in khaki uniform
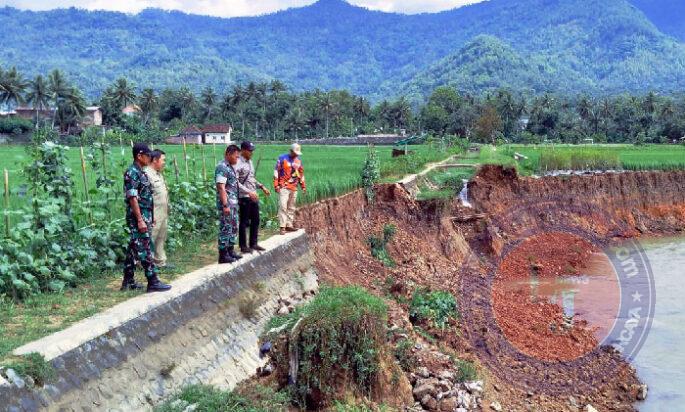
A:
(161, 202)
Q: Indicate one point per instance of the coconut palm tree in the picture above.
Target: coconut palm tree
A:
(72, 109)
(58, 88)
(38, 95)
(327, 104)
(208, 101)
(148, 103)
(187, 100)
(122, 93)
(12, 88)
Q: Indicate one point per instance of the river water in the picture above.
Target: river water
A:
(661, 361)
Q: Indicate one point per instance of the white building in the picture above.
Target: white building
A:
(217, 133)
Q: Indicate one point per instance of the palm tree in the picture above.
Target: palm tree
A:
(361, 108)
(328, 106)
(208, 100)
(122, 93)
(12, 88)
(38, 95)
(148, 103)
(58, 88)
(187, 101)
(72, 109)
(237, 98)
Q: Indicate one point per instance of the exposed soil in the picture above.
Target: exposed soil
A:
(528, 365)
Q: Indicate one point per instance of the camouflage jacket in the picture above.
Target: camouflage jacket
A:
(137, 184)
(225, 174)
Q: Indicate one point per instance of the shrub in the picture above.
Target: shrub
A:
(338, 340)
(15, 125)
(436, 307)
(371, 172)
(467, 371)
(403, 354)
(378, 245)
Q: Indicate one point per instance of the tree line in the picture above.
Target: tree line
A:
(271, 111)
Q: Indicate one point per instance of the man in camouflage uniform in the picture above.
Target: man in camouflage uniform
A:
(227, 204)
(140, 219)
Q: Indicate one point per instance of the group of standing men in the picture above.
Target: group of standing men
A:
(237, 200)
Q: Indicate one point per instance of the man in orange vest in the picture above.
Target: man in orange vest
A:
(288, 175)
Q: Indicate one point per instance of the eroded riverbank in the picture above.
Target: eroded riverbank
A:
(443, 246)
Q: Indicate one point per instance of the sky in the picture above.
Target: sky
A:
(231, 8)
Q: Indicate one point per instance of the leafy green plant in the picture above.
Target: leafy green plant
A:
(436, 307)
(371, 173)
(378, 245)
(403, 354)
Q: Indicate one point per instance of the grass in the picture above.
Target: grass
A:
(209, 399)
(340, 338)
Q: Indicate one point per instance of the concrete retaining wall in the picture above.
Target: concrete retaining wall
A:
(142, 351)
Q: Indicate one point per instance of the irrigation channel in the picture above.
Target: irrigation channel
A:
(661, 362)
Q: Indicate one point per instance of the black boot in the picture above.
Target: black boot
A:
(231, 252)
(257, 248)
(156, 285)
(224, 257)
(130, 283)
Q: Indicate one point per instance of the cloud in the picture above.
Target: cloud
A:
(231, 8)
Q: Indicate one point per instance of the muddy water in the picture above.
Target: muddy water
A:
(661, 362)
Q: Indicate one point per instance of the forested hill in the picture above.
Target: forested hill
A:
(564, 45)
(667, 15)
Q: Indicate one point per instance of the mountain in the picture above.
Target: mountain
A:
(488, 63)
(667, 15)
(563, 45)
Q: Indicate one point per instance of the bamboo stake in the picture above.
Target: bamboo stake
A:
(176, 169)
(85, 185)
(214, 153)
(204, 164)
(7, 203)
(185, 159)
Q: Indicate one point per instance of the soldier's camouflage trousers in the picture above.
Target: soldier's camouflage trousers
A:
(139, 250)
(228, 229)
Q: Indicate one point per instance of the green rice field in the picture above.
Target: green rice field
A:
(330, 170)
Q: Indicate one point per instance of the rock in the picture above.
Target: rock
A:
(642, 392)
(283, 310)
(497, 387)
(590, 408)
(464, 399)
(429, 403)
(444, 386)
(190, 408)
(423, 372)
(461, 410)
(495, 406)
(446, 375)
(266, 371)
(475, 387)
(425, 387)
(448, 404)
(30, 382)
(14, 378)
(572, 402)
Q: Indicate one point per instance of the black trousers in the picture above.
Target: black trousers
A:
(249, 218)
